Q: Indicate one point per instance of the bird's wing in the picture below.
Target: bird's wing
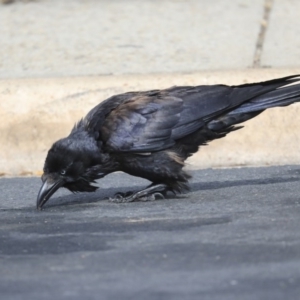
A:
(142, 124)
(152, 122)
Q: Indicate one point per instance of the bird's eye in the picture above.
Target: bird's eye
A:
(63, 172)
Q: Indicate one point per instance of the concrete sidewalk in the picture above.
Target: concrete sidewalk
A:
(55, 38)
(60, 58)
(51, 38)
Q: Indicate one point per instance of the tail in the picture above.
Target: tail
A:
(274, 93)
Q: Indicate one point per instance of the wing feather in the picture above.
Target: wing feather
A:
(155, 120)
(144, 123)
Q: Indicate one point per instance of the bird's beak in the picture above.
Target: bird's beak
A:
(49, 187)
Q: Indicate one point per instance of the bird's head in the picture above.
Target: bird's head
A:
(73, 163)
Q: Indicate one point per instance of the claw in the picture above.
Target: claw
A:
(152, 197)
(159, 196)
(116, 199)
(149, 194)
(121, 197)
(124, 195)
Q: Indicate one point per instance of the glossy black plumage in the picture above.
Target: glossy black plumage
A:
(150, 134)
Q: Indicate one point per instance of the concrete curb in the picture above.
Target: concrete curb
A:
(36, 112)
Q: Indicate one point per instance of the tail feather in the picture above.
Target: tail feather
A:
(280, 97)
(255, 90)
(274, 93)
(271, 84)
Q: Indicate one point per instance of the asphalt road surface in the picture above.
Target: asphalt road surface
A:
(236, 235)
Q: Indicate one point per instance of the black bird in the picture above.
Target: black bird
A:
(150, 134)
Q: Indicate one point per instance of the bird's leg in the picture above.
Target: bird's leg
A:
(150, 193)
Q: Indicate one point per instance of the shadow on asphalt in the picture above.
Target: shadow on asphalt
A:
(226, 184)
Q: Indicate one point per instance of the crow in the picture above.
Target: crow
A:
(150, 134)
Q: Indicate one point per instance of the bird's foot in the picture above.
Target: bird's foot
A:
(119, 197)
(151, 193)
(123, 195)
